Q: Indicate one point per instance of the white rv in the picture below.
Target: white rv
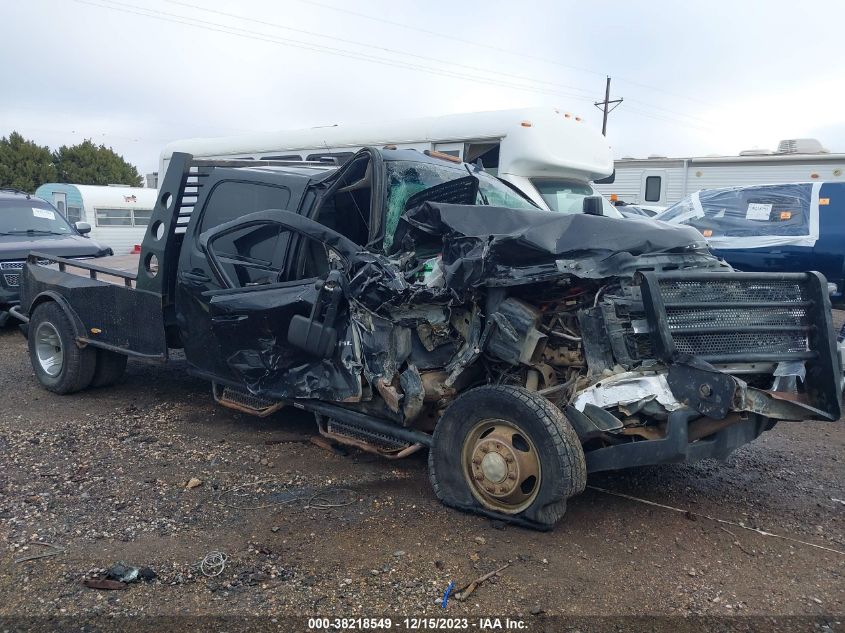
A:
(118, 215)
(550, 155)
(662, 181)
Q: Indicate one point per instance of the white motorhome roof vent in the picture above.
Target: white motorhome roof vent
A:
(756, 152)
(801, 146)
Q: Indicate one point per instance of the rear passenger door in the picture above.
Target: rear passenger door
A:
(225, 196)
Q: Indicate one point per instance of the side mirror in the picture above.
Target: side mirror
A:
(83, 228)
(593, 205)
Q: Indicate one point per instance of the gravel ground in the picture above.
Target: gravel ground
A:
(308, 531)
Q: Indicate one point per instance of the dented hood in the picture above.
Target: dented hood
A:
(480, 241)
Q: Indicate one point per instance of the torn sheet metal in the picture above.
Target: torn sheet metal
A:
(628, 388)
(483, 244)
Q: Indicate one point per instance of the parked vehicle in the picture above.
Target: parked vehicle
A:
(659, 180)
(118, 215)
(773, 228)
(549, 155)
(636, 210)
(29, 224)
(409, 302)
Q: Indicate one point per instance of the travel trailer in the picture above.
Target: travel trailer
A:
(662, 181)
(550, 155)
(118, 215)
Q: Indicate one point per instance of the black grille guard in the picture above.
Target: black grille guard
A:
(733, 317)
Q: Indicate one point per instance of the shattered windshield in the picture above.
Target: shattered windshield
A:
(406, 178)
(745, 212)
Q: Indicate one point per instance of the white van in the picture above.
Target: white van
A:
(551, 155)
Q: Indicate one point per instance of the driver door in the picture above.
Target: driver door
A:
(280, 333)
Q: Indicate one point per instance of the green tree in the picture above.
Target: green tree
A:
(89, 164)
(24, 164)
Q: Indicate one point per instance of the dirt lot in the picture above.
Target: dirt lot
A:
(103, 475)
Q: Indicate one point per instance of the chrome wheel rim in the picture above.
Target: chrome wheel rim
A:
(501, 466)
(48, 349)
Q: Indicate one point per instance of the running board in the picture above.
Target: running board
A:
(241, 400)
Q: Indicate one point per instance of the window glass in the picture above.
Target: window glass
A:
(652, 188)
(265, 245)
(113, 217)
(567, 196)
(142, 216)
(19, 216)
(338, 158)
(256, 255)
(74, 214)
(406, 178)
(230, 200)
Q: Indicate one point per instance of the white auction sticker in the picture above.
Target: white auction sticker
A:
(758, 211)
(43, 213)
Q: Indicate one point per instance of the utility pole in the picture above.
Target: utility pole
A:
(604, 105)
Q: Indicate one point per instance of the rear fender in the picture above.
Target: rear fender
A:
(79, 331)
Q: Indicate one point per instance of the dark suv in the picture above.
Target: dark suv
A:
(29, 224)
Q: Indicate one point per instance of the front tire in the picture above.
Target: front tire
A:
(60, 365)
(508, 452)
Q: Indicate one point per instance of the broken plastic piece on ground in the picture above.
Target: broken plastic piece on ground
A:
(127, 573)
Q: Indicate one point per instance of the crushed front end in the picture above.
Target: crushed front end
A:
(710, 359)
(655, 350)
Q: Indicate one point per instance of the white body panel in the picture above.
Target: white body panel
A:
(533, 142)
(682, 176)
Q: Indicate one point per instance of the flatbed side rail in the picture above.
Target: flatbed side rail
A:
(37, 259)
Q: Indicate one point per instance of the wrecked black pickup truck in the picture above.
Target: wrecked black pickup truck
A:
(413, 302)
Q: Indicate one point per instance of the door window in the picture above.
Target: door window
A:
(257, 256)
(231, 200)
(652, 188)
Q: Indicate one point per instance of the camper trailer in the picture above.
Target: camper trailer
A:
(662, 181)
(550, 155)
(118, 215)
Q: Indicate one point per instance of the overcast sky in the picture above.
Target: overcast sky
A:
(697, 77)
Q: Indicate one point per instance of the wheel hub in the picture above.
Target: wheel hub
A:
(48, 348)
(502, 466)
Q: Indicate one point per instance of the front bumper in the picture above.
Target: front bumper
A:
(676, 446)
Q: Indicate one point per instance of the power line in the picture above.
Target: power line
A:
(252, 35)
(376, 46)
(345, 53)
(409, 54)
(495, 48)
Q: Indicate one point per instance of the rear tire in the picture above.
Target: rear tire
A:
(60, 365)
(508, 452)
(110, 368)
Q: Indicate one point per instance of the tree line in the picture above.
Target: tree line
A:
(25, 165)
